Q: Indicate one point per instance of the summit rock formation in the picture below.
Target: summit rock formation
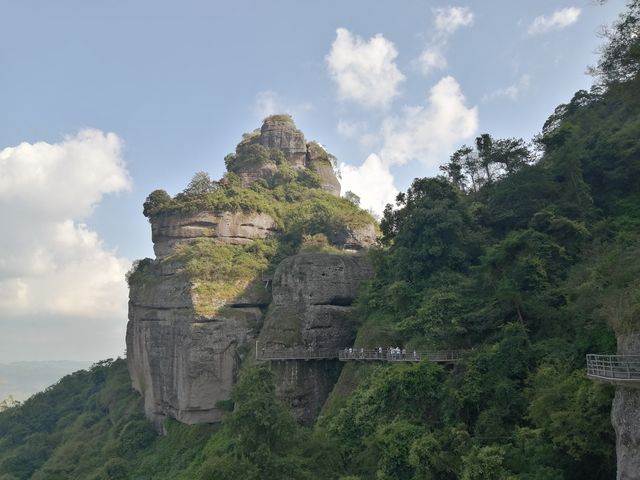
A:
(197, 309)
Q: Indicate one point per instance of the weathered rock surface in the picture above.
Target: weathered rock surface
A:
(251, 173)
(317, 158)
(354, 238)
(232, 228)
(311, 308)
(279, 132)
(625, 417)
(183, 364)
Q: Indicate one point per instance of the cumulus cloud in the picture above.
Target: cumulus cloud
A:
(51, 263)
(511, 92)
(372, 182)
(268, 102)
(450, 19)
(446, 21)
(432, 58)
(429, 133)
(364, 71)
(558, 20)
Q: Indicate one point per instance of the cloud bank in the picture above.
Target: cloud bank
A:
(51, 263)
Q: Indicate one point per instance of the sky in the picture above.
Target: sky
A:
(103, 102)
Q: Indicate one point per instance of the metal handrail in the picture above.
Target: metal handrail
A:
(296, 354)
(615, 368)
(437, 356)
(357, 354)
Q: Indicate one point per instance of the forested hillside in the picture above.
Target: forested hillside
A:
(526, 254)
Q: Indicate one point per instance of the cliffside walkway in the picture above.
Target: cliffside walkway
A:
(358, 355)
(617, 369)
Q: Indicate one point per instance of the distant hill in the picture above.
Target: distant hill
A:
(23, 379)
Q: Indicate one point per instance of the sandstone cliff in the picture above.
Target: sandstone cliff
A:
(196, 310)
(184, 348)
(624, 417)
(312, 309)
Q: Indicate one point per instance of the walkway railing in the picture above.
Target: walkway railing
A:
(360, 355)
(437, 356)
(296, 354)
(614, 368)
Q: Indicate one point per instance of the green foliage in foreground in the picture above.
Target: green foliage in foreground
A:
(534, 266)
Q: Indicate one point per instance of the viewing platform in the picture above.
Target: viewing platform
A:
(358, 355)
(616, 369)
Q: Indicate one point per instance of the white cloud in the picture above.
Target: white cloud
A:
(513, 91)
(450, 19)
(50, 262)
(558, 20)
(431, 132)
(432, 58)
(364, 71)
(447, 21)
(427, 134)
(348, 129)
(372, 182)
(268, 102)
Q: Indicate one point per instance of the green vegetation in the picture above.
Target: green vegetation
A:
(224, 272)
(528, 261)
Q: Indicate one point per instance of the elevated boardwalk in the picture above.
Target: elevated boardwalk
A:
(615, 369)
(358, 355)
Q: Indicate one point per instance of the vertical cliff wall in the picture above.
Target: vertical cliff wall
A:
(312, 309)
(625, 417)
(184, 345)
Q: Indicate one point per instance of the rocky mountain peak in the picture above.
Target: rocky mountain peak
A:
(260, 154)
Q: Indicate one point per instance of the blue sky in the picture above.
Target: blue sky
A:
(104, 102)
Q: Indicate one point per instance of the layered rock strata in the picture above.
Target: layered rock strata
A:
(312, 309)
(181, 361)
(237, 228)
(625, 417)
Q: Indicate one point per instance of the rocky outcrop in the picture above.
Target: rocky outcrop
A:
(231, 228)
(318, 160)
(279, 132)
(312, 308)
(183, 363)
(192, 322)
(357, 238)
(625, 417)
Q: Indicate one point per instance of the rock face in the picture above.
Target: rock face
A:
(190, 328)
(184, 363)
(625, 417)
(358, 238)
(279, 132)
(318, 160)
(311, 308)
(236, 228)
